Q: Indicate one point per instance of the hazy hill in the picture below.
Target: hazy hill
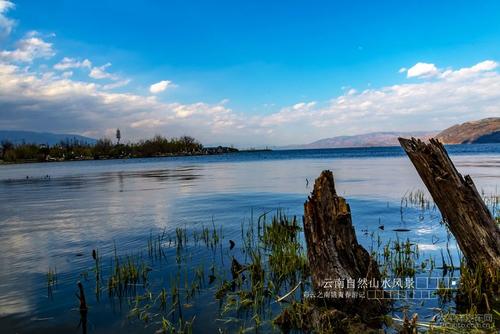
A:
(30, 137)
(372, 139)
(486, 130)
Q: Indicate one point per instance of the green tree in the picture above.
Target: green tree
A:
(118, 136)
(103, 148)
(6, 146)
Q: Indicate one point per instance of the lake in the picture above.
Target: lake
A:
(52, 215)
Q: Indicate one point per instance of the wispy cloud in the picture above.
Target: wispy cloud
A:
(117, 84)
(6, 24)
(69, 63)
(98, 73)
(101, 73)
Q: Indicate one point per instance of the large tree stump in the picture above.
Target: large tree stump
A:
(461, 205)
(332, 248)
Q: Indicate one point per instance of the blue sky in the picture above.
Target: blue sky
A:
(248, 73)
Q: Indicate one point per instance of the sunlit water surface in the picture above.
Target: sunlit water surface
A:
(52, 215)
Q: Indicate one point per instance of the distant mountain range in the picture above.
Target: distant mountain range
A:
(372, 139)
(30, 137)
(486, 130)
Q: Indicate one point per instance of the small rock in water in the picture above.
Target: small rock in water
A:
(231, 244)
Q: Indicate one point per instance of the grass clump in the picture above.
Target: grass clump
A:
(480, 289)
(126, 274)
(287, 259)
(399, 258)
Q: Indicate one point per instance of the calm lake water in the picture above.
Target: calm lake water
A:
(52, 215)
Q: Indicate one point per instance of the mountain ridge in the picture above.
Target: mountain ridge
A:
(371, 139)
(33, 137)
(486, 130)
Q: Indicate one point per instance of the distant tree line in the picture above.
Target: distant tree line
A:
(103, 149)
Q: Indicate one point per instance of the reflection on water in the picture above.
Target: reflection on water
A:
(51, 214)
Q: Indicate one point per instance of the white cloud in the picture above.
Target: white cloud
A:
(7, 69)
(291, 114)
(69, 63)
(160, 86)
(6, 24)
(101, 73)
(49, 102)
(431, 104)
(28, 49)
(426, 70)
(98, 73)
(117, 84)
(147, 123)
(67, 74)
(6, 5)
(422, 70)
(484, 66)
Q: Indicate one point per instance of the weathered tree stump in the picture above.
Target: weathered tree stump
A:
(461, 205)
(333, 250)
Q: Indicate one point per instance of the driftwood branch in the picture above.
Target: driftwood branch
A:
(461, 205)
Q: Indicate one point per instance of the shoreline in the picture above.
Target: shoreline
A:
(454, 149)
(20, 162)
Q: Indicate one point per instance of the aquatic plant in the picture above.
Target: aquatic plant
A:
(126, 274)
(475, 287)
(260, 281)
(417, 198)
(398, 258)
(51, 277)
(156, 245)
(51, 280)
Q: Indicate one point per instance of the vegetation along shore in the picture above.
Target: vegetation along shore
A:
(74, 150)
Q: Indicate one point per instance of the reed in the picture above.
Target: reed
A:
(51, 281)
(126, 274)
(263, 274)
